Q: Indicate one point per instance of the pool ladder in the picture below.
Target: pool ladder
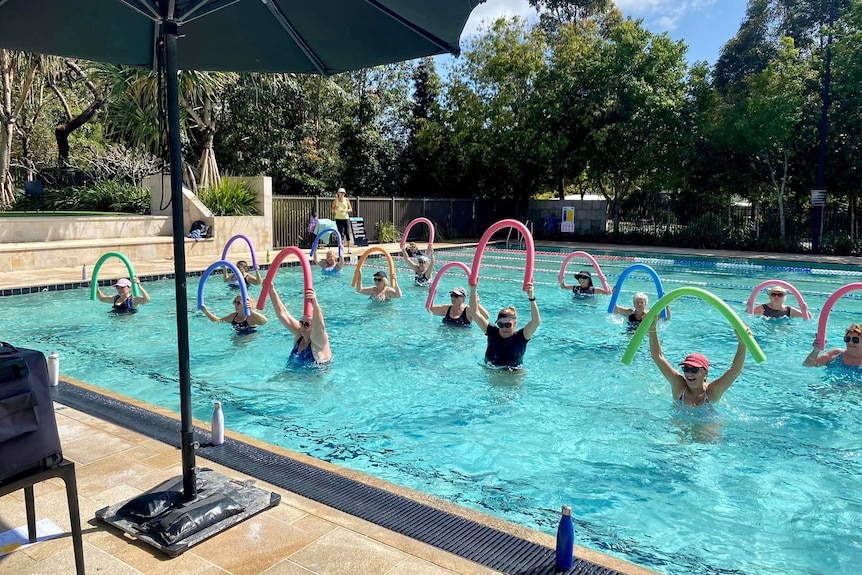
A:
(522, 244)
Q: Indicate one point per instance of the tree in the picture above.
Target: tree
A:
(72, 120)
(13, 95)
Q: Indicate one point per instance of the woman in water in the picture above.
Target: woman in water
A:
(690, 387)
(241, 323)
(506, 343)
(851, 356)
(635, 315)
(230, 278)
(311, 343)
(330, 266)
(584, 288)
(381, 290)
(423, 268)
(457, 313)
(124, 302)
(775, 307)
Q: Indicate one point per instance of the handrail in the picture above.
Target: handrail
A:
(521, 240)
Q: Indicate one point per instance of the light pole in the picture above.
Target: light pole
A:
(818, 194)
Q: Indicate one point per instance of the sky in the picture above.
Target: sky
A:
(704, 25)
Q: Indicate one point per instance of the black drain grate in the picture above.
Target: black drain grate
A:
(468, 539)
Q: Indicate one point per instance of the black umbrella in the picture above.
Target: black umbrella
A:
(305, 36)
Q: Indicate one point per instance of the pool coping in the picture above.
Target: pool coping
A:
(483, 539)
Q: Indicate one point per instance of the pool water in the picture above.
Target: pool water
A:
(767, 482)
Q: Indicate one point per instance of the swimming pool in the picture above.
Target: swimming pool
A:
(767, 483)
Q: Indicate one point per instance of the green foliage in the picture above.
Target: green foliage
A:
(105, 196)
(232, 197)
(387, 233)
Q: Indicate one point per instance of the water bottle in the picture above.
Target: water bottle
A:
(564, 557)
(267, 256)
(54, 369)
(217, 429)
(84, 273)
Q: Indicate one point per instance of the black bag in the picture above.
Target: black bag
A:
(28, 429)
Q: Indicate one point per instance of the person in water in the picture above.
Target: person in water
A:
(124, 301)
(690, 387)
(330, 265)
(457, 313)
(230, 278)
(584, 287)
(381, 290)
(776, 307)
(850, 356)
(506, 343)
(636, 314)
(311, 342)
(423, 268)
(241, 323)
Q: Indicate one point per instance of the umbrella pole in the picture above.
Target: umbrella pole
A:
(187, 438)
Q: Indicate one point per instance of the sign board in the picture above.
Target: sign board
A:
(818, 198)
(357, 230)
(568, 223)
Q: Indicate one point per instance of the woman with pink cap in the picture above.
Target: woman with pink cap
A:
(124, 302)
(690, 387)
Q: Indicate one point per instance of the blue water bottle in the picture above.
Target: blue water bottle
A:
(564, 557)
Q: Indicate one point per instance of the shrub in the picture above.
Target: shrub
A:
(387, 233)
(106, 196)
(230, 198)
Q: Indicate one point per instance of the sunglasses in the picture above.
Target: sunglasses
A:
(305, 323)
(504, 324)
(855, 339)
(237, 302)
(453, 294)
(777, 294)
(378, 279)
(690, 369)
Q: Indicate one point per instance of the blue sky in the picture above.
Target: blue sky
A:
(704, 25)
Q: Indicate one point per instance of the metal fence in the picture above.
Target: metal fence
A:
(453, 217)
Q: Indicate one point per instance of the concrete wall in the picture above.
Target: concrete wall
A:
(590, 215)
(51, 229)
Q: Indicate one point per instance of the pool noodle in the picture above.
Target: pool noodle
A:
(94, 281)
(590, 259)
(802, 305)
(738, 326)
(433, 289)
(250, 247)
(317, 239)
(827, 309)
(483, 241)
(625, 274)
(407, 230)
(243, 289)
(371, 250)
(308, 282)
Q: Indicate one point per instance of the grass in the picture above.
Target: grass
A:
(50, 214)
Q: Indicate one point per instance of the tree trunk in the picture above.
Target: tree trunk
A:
(7, 185)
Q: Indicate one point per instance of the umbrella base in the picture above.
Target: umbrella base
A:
(220, 504)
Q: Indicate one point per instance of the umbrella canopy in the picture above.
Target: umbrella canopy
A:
(304, 36)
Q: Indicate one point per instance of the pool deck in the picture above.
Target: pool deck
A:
(298, 537)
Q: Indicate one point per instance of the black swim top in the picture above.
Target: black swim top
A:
(421, 280)
(461, 320)
(579, 291)
(769, 312)
(505, 352)
(634, 322)
(241, 327)
(304, 357)
(127, 306)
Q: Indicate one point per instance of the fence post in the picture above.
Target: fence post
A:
(392, 212)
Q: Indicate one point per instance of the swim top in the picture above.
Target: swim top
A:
(241, 327)
(681, 399)
(769, 312)
(421, 280)
(634, 322)
(127, 306)
(461, 320)
(505, 352)
(582, 292)
(331, 272)
(304, 357)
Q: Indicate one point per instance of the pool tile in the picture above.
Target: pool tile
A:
(343, 552)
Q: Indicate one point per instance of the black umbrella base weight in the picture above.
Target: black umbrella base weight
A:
(162, 519)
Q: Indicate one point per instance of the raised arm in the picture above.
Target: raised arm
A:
(677, 382)
(145, 297)
(319, 337)
(473, 308)
(798, 313)
(564, 285)
(340, 263)
(620, 310)
(359, 289)
(814, 359)
(535, 317)
(395, 289)
(255, 318)
(283, 315)
(254, 279)
(409, 262)
(720, 385)
(102, 297)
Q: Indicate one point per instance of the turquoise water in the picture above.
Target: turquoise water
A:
(770, 482)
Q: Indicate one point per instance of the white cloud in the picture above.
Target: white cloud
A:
(666, 14)
(493, 9)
